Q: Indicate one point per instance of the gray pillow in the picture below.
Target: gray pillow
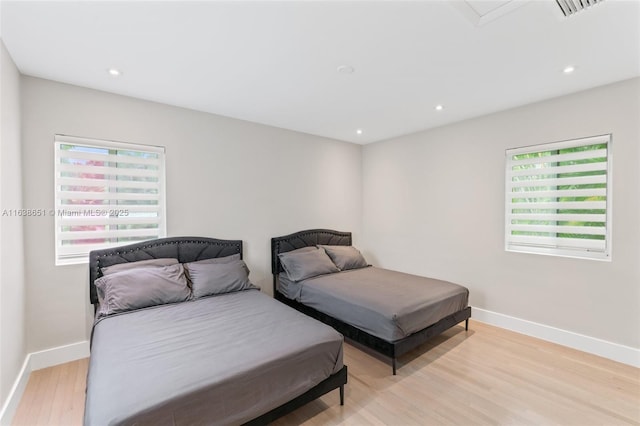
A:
(303, 249)
(214, 260)
(225, 259)
(142, 263)
(345, 257)
(300, 265)
(217, 278)
(142, 287)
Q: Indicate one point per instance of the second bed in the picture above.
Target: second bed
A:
(388, 311)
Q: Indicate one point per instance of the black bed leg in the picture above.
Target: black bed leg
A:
(393, 365)
(466, 324)
(342, 395)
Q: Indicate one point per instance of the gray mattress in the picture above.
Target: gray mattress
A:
(388, 304)
(219, 360)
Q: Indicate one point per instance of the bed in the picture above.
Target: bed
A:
(234, 356)
(387, 311)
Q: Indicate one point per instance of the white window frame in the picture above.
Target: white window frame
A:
(118, 211)
(559, 246)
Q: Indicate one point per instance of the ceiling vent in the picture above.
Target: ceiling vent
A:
(571, 7)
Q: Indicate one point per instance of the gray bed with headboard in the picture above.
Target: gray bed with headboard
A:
(388, 311)
(229, 355)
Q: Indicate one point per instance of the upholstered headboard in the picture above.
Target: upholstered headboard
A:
(310, 237)
(185, 249)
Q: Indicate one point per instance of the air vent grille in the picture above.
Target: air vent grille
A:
(570, 7)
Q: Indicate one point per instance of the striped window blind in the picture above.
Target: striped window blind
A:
(106, 194)
(558, 198)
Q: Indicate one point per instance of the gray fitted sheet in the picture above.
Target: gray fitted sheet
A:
(388, 304)
(219, 360)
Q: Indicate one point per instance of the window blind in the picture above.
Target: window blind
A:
(558, 198)
(106, 194)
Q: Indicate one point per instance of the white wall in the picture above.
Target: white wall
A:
(12, 285)
(433, 204)
(226, 178)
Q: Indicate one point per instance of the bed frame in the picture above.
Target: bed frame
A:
(392, 350)
(190, 249)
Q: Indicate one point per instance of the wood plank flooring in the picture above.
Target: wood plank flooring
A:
(54, 396)
(484, 376)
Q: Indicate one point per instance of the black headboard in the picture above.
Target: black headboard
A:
(310, 237)
(185, 249)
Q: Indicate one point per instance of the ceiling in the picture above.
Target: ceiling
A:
(276, 62)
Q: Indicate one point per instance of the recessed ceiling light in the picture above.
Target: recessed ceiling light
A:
(345, 69)
(569, 69)
(439, 107)
(114, 72)
(359, 131)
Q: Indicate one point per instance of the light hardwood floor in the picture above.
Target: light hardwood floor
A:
(487, 375)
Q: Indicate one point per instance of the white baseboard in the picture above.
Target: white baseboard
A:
(614, 351)
(36, 361)
(59, 355)
(15, 394)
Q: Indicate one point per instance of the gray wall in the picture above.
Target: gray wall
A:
(430, 203)
(433, 204)
(12, 284)
(225, 178)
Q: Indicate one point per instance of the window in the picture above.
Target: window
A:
(106, 194)
(558, 198)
